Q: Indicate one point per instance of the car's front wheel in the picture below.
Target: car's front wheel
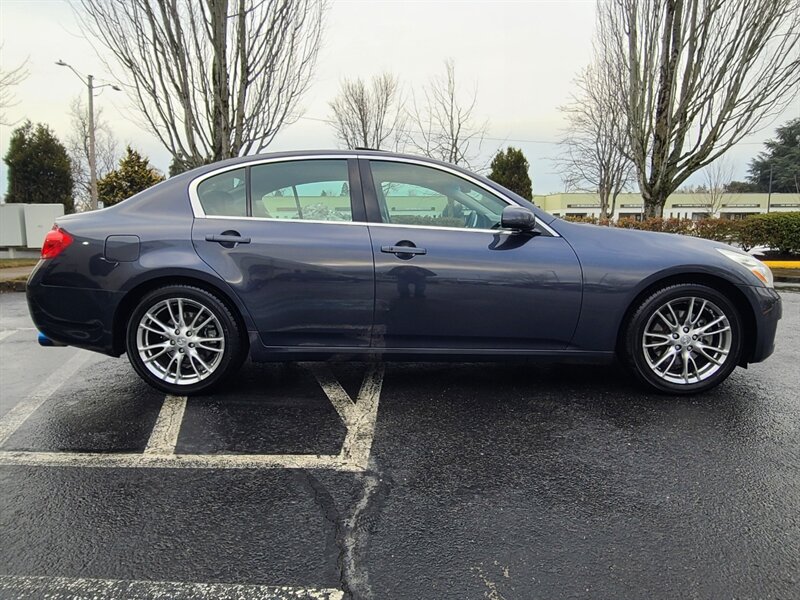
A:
(683, 339)
(183, 340)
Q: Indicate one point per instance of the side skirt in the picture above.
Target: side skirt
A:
(261, 353)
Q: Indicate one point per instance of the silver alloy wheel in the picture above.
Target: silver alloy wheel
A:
(687, 340)
(180, 341)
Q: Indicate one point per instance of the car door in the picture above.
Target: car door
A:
(448, 278)
(289, 237)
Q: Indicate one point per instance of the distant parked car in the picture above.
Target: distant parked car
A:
(309, 255)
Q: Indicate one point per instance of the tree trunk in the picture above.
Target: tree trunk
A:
(604, 195)
(220, 131)
(654, 201)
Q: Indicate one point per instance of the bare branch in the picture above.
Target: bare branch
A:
(445, 126)
(211, 79)
(8, 80)
(694, 77)
(596, 147)
(718, 176)
(77, 144)
(370, 115)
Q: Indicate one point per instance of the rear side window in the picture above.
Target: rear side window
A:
(224, 194)
(305, 190)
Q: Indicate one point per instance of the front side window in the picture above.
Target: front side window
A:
(411, 194)
(306, 190)
(224, 194)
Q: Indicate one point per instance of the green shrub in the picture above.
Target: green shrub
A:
(683, 226)
(719, 230)
(779, 231)
(628, 223)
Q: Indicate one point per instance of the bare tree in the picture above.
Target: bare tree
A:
(8, 80)
(106, 150)
(212, 79)
(595, 158)
(370, 115)
(718, 176)
(445, 125)
(694, 77)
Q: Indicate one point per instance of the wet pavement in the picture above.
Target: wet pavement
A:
(499, 481)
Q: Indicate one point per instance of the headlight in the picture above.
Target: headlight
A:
(755, 266)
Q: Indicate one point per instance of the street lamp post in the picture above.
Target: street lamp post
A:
(769, 194)
(92, 154)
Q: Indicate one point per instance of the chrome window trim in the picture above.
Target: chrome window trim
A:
(362, 223)
(199, 213)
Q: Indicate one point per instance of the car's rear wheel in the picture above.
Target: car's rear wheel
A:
(183, 340)
(683, 339)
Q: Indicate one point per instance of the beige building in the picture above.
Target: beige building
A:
(684, 206)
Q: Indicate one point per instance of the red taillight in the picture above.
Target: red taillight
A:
(55, 242)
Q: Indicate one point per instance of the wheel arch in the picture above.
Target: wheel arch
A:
(132, 297)
(720, 284)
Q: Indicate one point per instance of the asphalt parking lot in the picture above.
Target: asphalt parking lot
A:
(499, 481)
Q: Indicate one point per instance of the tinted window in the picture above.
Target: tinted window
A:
(416, 195)
(224, 194)
(310, 190)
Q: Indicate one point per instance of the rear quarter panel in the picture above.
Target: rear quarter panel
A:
(80, 291)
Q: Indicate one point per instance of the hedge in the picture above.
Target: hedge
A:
(779, 231)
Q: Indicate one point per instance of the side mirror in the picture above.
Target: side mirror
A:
(518, 219)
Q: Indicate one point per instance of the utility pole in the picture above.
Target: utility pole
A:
(769, 194)
(92, 153)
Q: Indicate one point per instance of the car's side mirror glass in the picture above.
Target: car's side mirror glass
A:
(518, 218)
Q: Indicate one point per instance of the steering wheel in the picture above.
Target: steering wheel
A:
(472, 220)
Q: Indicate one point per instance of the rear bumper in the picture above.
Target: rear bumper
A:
(78, 317)
(767, 310)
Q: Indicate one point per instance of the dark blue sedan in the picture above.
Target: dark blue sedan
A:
(305, 256)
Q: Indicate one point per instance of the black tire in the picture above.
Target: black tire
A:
(223, 361)
(723, 347)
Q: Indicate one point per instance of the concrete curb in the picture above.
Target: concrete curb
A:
(11, 285)
(787, 287)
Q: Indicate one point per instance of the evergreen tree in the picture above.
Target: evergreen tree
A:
(783, 157)
(510, 169)
(345, 189)
(180, 164)
(133, 175)
(39, 169)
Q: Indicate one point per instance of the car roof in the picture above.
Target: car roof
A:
(327, 152)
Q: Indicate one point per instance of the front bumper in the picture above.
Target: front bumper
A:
(767, 310)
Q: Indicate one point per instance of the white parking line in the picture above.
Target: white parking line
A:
(359, 417)
(361, 431)
(340, 399)
(102, 589)
(7, 333)
(4, 333)
(14, 418)
(164, 437)
(175, 461)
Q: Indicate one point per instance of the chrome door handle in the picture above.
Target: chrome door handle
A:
(403, 250)
(228, 239)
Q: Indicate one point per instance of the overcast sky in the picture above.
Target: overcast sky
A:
(521, 56)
